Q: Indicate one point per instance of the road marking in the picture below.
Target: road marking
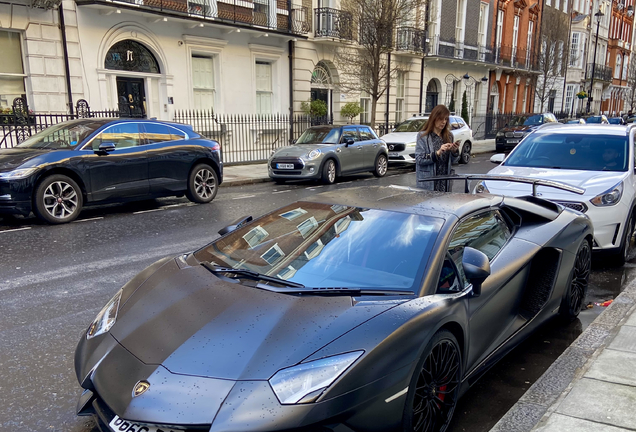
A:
(147, 211)
(346, 182)
(242, 197)
(16, 229)
(88, 220)
(174, 205)
(277, 192)
(397, 395)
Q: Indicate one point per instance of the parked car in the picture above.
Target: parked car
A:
(58, 171)
(573, 121)
(519, 127)
(328, 152)
(401, 141)
(353, 308)
(616, 120)
(598, 119)
(597, 158)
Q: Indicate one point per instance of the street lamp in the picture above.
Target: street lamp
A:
(598, 16)
(470, 82)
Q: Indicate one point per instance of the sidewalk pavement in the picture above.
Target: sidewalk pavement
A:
(592, 385)
(238, 175)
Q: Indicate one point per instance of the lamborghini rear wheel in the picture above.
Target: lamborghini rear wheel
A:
(434, 387)
(577, 289)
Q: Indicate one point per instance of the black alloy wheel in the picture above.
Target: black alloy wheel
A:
(434, 388)
(381, 166)
(464, 158)
(579, 280)
(203, 184)
(329, 172)
(628, 234)
(58, 199)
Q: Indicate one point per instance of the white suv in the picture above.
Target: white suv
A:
(401, 141)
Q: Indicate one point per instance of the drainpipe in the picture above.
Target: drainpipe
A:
(67, 69)
(424, 49)
(388, 90)
(290, 46)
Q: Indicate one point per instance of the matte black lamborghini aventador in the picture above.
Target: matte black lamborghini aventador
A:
(367, 309)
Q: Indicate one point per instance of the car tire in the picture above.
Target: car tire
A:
(572, 302)
(58, 199)
(381, 165)
(439, 368)
(203, 184)
(329, 172)
(623, 252)
(464, 157)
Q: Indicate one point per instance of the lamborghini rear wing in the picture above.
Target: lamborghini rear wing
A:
(534, 182)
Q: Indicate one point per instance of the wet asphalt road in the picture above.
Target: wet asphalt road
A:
(54, 280)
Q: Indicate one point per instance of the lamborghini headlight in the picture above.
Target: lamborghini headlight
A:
(610, 197)
(305, 382)
(314, 154)
(105, 318)
(481, 188)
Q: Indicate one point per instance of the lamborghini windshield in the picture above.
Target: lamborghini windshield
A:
(327, 246)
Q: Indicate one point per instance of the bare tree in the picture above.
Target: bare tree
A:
(374, 24)
(631, 84)
(553, 54)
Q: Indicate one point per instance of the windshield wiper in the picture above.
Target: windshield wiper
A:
(343, 291)
(251, 274)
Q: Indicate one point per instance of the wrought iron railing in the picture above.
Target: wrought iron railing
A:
(601, 72)
(333, 23)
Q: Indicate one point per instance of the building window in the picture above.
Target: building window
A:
(515, 39)
(557, 4)
(529, 43)
(365, 104)
(460, 22)
(500, 19)
(203, 82)
(11, 70)
(399, 97)
(483, 24)
(574, 49)
(619, 66)
(569, 97)
(625, 67)
(263, 87)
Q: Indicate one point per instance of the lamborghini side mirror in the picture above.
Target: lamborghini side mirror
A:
(476, 268)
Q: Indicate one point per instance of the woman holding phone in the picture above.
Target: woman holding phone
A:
(435, 151)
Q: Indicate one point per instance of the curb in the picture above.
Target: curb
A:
(540, 401)
(243, 182)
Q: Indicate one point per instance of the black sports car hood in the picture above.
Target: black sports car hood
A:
(523, 128)
(193, 323)
(11, 159)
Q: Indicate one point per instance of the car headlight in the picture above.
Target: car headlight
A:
(500, 134)
(411, 144)
(105, 318)
(610, 197)
(313, 154)
(18, 173)
(481, 188)
(305, 382)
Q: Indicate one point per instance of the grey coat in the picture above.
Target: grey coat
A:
(426, 162)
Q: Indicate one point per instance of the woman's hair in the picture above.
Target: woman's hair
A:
(439, 112)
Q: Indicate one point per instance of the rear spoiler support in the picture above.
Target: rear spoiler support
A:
(467, 178)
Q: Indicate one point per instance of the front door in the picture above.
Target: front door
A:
(352, 155)
(131, 97)
(323, 95)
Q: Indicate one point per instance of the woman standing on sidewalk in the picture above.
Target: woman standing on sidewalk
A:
(435, 151)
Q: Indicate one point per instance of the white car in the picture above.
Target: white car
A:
(401, 141)
(599, 159)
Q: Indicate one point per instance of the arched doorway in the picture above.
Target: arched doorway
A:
(322, 85)
(131, 56)
(432, 95)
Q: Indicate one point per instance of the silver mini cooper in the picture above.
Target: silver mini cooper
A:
(327, 152)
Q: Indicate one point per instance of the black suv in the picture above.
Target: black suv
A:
(520, 126)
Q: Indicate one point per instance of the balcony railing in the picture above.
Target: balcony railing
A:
(333, 23)
(410, 39)
(601, 72)
(258, 13)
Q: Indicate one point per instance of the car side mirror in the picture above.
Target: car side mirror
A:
(235, 225)
(106, 147)
(498, 158)
(294, 141)
(348, 142)
(476, 268)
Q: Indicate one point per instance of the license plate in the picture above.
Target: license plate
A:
(120, 425)
(513, 141)
(285, 166)
(394, 154)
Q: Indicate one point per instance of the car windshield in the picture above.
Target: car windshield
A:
(517, 121)
(616, 120)
(594, 119)
(586, 152)
(318, 135)
(324, 245)
(533, 120)
(61, 136)
(415, 125)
